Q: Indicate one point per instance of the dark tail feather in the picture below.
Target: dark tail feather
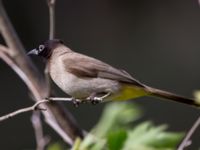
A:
(172, 97)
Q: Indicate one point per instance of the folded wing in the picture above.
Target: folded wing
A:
(84, 66)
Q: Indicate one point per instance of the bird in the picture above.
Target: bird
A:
(85, 78)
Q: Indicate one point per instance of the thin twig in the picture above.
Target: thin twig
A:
(187, 140)
(51, 4)
(41, 140)
(31, 108)
(23, 110)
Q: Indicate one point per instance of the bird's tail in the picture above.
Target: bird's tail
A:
(172, 97)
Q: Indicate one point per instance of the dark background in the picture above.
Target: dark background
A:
(156, 41)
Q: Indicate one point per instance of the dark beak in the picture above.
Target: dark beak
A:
(33, 52)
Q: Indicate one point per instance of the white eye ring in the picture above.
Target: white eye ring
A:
(41, 48)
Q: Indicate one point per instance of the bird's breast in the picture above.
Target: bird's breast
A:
(79, 87)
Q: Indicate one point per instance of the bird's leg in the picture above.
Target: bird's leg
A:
(75, 101)
(95, 99)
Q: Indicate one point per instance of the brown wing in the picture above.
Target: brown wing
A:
(84, 66)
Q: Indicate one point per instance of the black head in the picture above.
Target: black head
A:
(45, 49)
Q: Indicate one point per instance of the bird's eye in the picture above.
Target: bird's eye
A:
(41, 48)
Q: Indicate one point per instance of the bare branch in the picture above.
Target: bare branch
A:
(23, 110)
(31, 108)
(17, 53)
(5, 56)
(51, 4)
(187, 140)
(57, 117)
(49, 119)
(9, 33)
(41, 140)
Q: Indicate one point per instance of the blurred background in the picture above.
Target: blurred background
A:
(156, 41)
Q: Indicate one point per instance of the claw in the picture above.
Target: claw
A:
(76, 102)
(95, 100)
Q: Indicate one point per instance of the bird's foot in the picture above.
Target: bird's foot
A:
(76, 102)
(96, 99)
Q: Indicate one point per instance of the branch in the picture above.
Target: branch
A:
(9, 34)
(57, 117)
(9, 60)
(51, 4)
(41, 140)
(36, 120)
(32, 108)
(24, 110)
(187, 140)
(17, 52)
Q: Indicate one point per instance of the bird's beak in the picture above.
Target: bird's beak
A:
(33, 52)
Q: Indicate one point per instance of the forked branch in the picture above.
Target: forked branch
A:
(57, 116)
(31, 108)
(24, 110)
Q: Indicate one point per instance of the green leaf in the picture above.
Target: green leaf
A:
(76, 144)
(147, 135)
(56, 146)
(114, 116)
(92, 142)
(111, 132)
(116, 139)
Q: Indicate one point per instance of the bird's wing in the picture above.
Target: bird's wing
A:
(84, 66)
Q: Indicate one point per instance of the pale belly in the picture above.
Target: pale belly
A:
(82, 87)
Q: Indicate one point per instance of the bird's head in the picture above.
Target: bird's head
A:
(45, 49)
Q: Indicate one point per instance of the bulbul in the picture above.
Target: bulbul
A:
(86, 78)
